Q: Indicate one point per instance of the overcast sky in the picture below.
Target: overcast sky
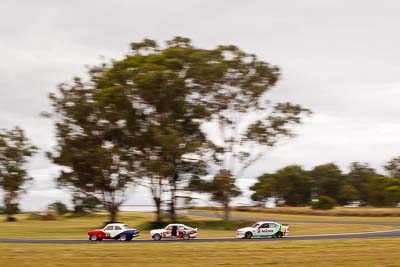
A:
(339, 58)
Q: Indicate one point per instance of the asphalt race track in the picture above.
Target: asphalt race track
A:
(212, 215)
(387, 233)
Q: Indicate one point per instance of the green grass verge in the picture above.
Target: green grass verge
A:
(267, 213)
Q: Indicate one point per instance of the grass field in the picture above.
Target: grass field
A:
(76, 228)
(337, 211)
(274, 214)
(350, 252)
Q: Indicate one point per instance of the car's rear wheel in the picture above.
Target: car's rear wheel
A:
(248, 235)
(93, 238)
(123, 237)
(186, 237)
(157, 237)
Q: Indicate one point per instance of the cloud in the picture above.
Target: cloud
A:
(336, 58)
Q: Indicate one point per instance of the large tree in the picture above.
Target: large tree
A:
(92, 144)
(264, 188)
(140, 108)
(164, 95)
(243, 124)
(221, 187)
(393, 167)
(15, 149)
(359, 176)
(291, 184)
(157, 82)
(327, 180)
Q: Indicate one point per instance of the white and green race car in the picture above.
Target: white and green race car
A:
(263, 230)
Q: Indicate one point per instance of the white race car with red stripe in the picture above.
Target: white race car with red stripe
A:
(174, 230)
(117, 231)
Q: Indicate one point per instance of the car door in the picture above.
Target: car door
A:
(263, 230)
(181, 231)
(273, 228)
(109, 231)
(167, 231)
(117, 230)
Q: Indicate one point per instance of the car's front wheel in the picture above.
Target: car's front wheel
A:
(93, 238)
(186, 237)
(157, 237)
(248, 235)
(123, 237)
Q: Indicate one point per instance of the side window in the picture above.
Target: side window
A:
(273, 225)
(109, 228)
(264, 225)
(117, 227)
(169, 227)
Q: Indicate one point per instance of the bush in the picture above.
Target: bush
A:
(58, 207)
(392, 195)
(201, 224)
(48, 216)
(323, 203)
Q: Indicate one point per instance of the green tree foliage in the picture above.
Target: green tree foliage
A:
(15, 149)
(296, 186)
(376, 187)
(348, 194)
(84, 204)
(292, 184)
(393, 167)
(264, 188)
(392, 195)
(147, 109)
(222, 189)
(327, 180)
(323, 203)
(89, 142)
(233, 89)
(359, 177)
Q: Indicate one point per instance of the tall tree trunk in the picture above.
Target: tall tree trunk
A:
(226, 211)
(172, 212)
(113, 210)
(157, 201)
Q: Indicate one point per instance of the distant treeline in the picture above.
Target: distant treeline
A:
(295, 186)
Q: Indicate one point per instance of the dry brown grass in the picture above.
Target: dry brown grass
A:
(321, 253)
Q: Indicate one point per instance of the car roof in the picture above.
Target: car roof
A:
(116, 224)
(266, 222)
(177, 224)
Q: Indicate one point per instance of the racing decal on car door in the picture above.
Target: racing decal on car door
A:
(267, 229)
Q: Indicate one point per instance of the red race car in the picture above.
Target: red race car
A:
(117, 231)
